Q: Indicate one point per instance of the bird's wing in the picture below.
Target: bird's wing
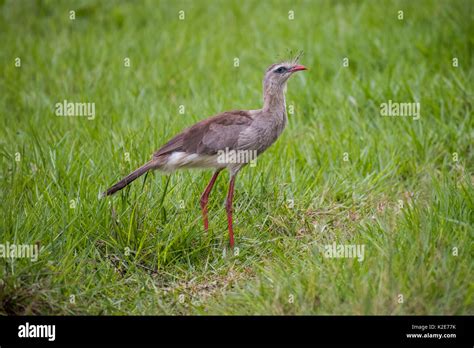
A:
(210, 135)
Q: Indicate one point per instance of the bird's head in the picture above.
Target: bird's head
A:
(279, 73)
(274, 82)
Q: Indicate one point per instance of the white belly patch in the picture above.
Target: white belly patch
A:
(190, 160)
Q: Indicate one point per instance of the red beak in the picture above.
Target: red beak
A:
(298, 68)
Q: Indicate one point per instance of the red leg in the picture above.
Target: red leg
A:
(228, 208)
(205, 197)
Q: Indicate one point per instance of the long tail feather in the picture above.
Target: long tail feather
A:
(129, 178)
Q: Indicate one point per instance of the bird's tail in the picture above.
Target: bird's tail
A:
(129, 178)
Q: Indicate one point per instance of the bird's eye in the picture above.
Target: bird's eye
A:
(280, 70)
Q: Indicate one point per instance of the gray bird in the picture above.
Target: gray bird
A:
(229, 140)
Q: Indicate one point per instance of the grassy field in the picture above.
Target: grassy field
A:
(340, 173)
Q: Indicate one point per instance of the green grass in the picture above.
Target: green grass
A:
(144, 250)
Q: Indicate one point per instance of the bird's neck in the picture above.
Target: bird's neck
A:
(274, 100)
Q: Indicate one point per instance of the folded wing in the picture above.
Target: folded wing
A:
(210, 135)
